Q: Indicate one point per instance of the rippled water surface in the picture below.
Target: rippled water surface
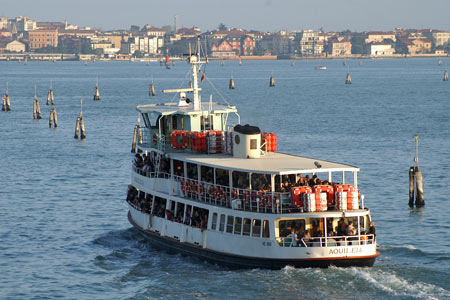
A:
(64, 233)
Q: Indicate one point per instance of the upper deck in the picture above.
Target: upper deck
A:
(271, 163)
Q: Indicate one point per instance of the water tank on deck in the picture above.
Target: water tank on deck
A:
(246, 141)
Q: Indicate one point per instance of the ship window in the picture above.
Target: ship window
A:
(153, 118)
(246, 229)
(174, 122)
(222, 223)
(237, 225)
(206, 123)
(266, 232)
(286, 226)
(253, 144)
(230, 224)
(146, 120)
(256, 231)
(214, 221)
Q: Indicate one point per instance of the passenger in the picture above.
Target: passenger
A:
(294, 238)
(342, 227)
(372, 229)
(349, 228)
(353, 239)
(187, 220)
(308, 239)
(160, 212)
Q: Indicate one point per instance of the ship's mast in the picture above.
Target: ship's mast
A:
(195, 60)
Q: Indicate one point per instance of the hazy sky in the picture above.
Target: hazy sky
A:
(265, 15)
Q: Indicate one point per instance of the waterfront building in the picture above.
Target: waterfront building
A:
(247, 45)
(22, 24)
(152, 31)
(311, 42)
(381, 49)
(380, 36)
(223, 50)
(51, 25)
(41, 38)
(15, 46)
(441, 38)
(416, 45)
(338, 47)
(5, 33)
(3, 23)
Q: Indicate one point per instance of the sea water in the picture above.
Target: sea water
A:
(64, 232)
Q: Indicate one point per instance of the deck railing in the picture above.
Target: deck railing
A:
(331, 241)
(220, 195)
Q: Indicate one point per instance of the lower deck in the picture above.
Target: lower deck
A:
(173, 246)
(287, 239)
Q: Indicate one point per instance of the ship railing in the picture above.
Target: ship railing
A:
(214, 143)
(236, 198)
(221, 195)
(331, 241)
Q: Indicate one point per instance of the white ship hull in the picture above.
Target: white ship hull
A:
(237, 251)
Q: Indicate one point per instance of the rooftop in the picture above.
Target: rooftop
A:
(173, 108)
(270, 163)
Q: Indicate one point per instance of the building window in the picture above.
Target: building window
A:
(253, 144)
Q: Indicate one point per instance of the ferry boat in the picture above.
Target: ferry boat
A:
(222, 193)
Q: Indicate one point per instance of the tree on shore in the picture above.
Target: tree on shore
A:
(358, 44)
(222, 27)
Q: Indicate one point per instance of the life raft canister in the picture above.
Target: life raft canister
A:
(346, 197)
(324, 196)
(297, 195)
(179, 139)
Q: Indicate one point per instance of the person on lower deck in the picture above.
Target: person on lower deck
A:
(294, 238)
(372, 229)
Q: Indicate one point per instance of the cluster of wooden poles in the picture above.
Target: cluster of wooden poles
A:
(80, 131)
(416, 181)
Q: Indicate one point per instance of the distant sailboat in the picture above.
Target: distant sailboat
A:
(167, 60)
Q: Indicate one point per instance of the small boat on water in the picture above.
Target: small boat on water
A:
(222, 193)
(320, 67)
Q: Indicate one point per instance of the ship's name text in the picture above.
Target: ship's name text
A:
(353, 250)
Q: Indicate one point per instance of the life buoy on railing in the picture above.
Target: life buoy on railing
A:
(188, 187)
(247, 197)
(179, 139)
(183, 187)
(155, 139)
(276, 199)
(211, 192)
(222, 195)
(202, 189)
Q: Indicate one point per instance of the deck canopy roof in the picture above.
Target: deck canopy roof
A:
(271, 163)
(173, 108)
